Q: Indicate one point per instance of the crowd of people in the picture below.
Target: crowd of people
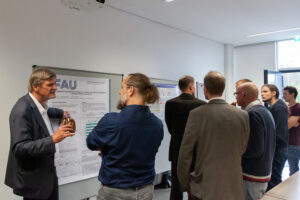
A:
(217, 151)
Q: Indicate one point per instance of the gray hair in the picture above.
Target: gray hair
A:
(39, 76)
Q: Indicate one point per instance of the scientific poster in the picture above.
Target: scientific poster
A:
(166, 92)
(87, 100)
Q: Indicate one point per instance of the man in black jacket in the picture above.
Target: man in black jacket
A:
(279, 110)
(176, 114)
(30, 168)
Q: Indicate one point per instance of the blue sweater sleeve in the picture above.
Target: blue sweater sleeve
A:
(98, 137)
(255, 147)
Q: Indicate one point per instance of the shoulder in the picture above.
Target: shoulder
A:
(22, 108)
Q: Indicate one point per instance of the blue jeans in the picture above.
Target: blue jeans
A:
(293, 158)
(254, 190)
(279, 159)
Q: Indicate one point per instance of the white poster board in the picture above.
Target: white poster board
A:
(87, 100)
(166, 92)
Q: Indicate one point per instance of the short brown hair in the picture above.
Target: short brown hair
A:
(291, 90)
(214, 82)
(39, 76)
(184, 82)
(273, 88)
(145, 88)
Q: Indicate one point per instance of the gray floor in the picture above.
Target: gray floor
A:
(164, 194)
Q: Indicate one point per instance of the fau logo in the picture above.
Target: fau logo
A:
(65, 84)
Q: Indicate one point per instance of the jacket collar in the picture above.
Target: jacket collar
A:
(217, 101)
(37, 113)
(186, 96)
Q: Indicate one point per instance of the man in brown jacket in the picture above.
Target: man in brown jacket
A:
(216, 136)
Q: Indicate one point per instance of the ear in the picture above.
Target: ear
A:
(35, 87)
(273, 93)
(130, 91)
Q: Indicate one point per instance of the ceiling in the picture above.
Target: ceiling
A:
(224, 21)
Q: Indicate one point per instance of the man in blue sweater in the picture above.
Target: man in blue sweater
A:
(279, 110)
(128, 141)
(257, 160)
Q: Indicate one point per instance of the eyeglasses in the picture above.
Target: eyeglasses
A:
(236, 93)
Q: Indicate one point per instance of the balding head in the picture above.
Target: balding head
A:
(246, 93)
(241, 81)
(214, 82)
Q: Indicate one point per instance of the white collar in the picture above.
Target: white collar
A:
(41, 108)
(253, 103)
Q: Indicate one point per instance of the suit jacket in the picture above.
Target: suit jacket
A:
(217, 135)
(30, 167)
(176, 114)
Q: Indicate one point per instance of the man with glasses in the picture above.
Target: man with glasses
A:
(257, 160)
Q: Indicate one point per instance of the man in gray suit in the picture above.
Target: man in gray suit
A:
(216, 136)
(30, 168)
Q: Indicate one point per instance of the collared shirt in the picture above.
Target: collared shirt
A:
(43, 111)
(129, 141)
(253, 103)
(215, 98)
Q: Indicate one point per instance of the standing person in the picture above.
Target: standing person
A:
(128, 141)
(257, 160)
(215, 139)
(237, 84)
(279, 110)
(290, 95)
(30, 169)
(176, 114)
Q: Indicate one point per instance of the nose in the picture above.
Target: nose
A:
(54, 87)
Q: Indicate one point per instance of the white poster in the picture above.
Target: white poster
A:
(87, 100)
(166, 92)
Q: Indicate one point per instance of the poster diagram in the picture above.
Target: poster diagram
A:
(87, 100)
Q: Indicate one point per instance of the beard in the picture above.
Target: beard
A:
(122, 103)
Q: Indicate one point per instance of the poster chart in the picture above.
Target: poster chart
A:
(166, 92)
(87, 100)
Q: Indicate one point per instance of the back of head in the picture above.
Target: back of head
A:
(184, 82)
(39, 76)
(214, 82)
(250, 90)
(273, 88)
(291, 90)
(144, 87)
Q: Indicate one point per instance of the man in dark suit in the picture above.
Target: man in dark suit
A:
(176, 114)
(30, 169)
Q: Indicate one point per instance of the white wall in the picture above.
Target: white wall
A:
(250, 61)
(107, 40)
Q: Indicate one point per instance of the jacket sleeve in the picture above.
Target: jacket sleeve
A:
(281, 122)
(256, 143)
(22, 137)
(55, 113)
(186, 152)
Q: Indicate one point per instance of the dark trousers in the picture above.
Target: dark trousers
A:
(279, 159)
(54, 194)
(175, 189)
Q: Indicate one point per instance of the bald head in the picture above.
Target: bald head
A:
(246, 93)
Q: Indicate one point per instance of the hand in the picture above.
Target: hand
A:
(61, 133)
